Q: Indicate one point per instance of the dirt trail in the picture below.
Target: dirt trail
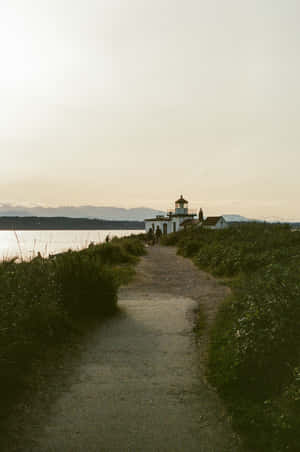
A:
(137, 384)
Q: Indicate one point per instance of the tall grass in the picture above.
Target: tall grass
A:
(255, 344)
(19, 244)
(41, 299)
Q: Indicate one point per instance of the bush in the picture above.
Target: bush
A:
(87, 286)
(262, 333)
(117, 251)
(254, 356)
(39, 300)
(31, 316)
(172, 239)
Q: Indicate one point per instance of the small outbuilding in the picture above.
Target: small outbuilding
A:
(215, 223)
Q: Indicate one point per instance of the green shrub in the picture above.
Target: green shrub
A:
(87, 286)
(255, 343)
(259, 330)
(117, 251)
(31, 316)
(190, 247)
(134, 246)
(172, 239)
(40, 299)
(241, 249)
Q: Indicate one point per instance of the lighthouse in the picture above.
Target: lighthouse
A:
(174, 219)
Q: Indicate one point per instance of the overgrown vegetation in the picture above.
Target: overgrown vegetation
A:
(40, 300)
(255, 343)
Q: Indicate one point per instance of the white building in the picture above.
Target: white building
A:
(215, 223)
(172, 222)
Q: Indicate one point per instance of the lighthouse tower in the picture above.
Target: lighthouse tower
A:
(174, 220)
(181, 206)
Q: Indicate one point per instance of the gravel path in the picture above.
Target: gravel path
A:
(137, 383)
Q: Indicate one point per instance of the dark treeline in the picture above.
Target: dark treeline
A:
(63, 223)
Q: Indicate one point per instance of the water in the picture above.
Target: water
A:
(26, 244)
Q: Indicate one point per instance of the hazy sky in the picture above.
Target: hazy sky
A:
(132, 102)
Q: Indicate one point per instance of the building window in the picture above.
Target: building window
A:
(165, 229)
(174, 226)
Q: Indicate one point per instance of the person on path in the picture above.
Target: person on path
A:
(150, 237)
(158, 234)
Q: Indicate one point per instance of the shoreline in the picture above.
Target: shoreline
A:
(71, 229)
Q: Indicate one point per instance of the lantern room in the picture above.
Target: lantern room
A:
(181, 206)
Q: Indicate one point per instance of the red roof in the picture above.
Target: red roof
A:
(211, 221)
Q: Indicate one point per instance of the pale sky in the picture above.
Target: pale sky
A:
(133, 102)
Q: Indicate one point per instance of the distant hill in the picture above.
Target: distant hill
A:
(65, 223)
(104, 213)
(236, 218)
(272, 220)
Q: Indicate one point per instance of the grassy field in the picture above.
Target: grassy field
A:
(41, 301)
(255, 343)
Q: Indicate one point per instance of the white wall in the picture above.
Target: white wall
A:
(160, 223)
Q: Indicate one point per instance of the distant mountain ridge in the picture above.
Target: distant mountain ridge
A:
(98, 212)
(236, 218)
(241, 219)
(109, 213)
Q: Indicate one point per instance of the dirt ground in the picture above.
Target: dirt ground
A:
(137, 382)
